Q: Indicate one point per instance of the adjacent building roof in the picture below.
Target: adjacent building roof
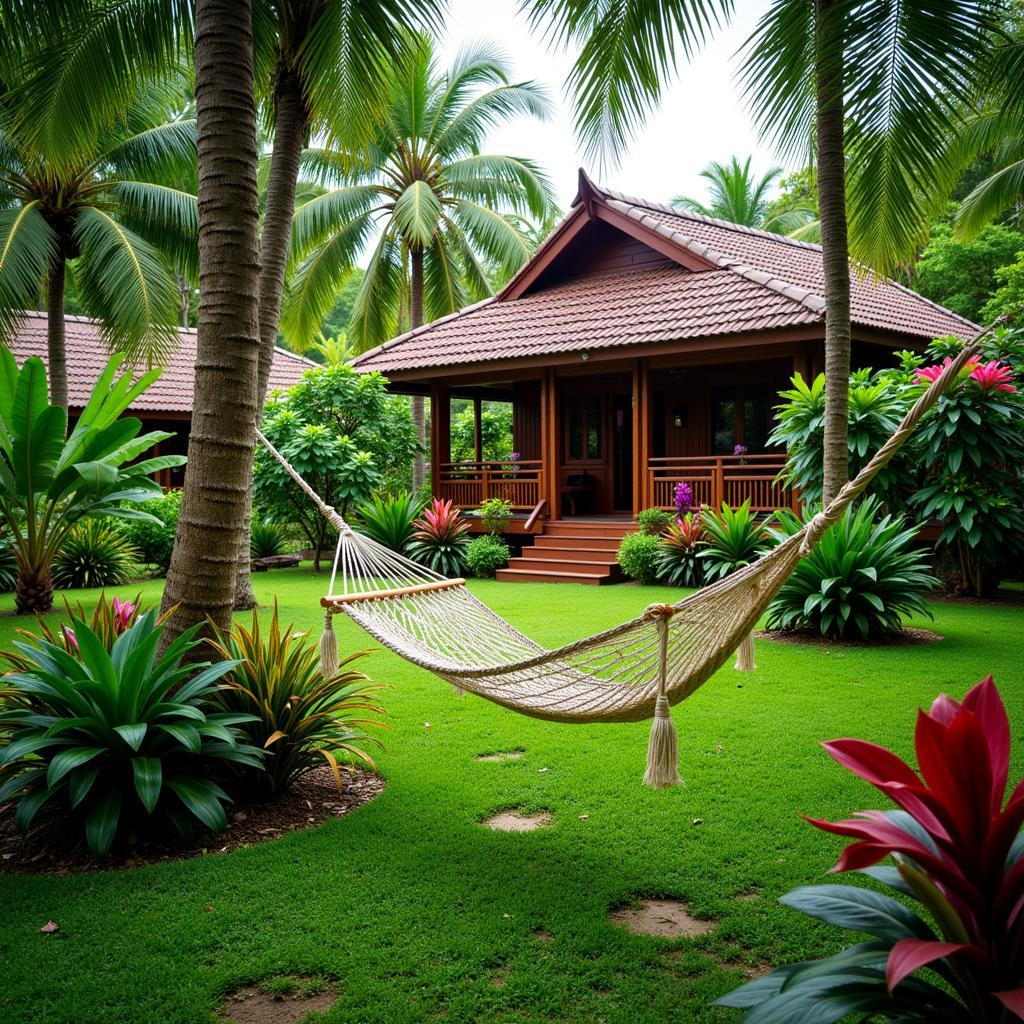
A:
(87, 356)
(719, 279)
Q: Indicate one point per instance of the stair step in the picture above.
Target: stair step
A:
(571, 554)
(593, 579)
(567, 541)
(561, 528)
(563, 565)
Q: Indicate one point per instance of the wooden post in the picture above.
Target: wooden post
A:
(549, 442)
(718, 484)
(641, 437)
(478, 437)
(440, 432)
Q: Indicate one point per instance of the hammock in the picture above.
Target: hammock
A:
(631, 672)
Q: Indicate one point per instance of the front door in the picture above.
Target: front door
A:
(622, 452)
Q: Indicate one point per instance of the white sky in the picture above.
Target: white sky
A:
(701, 118)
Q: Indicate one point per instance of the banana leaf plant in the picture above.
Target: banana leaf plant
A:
(950, 949)
(49, 481)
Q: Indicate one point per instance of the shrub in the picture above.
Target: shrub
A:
(638, 556)
(486, 555)
(94, 554)
(496, 514)
(678, 552)
(300, 718)
(958, 857)
(388, 519)
(653, 521)
(154, 538)
(861, 579)
(8, 567)
(121, 737)
(51, 481)
(439, 540)
(736, 538)
(266, 538)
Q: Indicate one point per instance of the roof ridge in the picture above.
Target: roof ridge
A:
(729, 225)
(802, 296)
(398, 339)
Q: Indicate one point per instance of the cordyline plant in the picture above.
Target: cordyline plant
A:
(50, 482)
(958, 852)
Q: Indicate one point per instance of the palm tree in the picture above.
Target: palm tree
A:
(426, 197)
(111, 216)
(201, 579)
(738, 196)
(879, 85)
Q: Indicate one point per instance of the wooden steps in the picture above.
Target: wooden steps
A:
(571, 551)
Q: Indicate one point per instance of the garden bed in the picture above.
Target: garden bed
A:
(51, 847)
(909, 636)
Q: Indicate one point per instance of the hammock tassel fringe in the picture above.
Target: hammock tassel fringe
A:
(745, 655)
(328, 649)
(663, 750)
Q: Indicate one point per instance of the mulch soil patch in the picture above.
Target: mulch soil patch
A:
(910, 636)
(55, 846)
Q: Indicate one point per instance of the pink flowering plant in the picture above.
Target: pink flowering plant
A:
(439, 539)
(970, 452)
(951, 947)
(681, 544)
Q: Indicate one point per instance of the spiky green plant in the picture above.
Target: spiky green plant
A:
(439, 539)
(121, 737)
(735, 539)
(862, 579)
(266, 538)
(301, 719)
(679, 562)
(388, 518)
(94, 554)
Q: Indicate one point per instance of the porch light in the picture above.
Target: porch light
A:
(680, 417)
(584, 356)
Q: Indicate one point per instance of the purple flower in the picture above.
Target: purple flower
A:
(740, 449)
(123, 612)
(72, 640)
(514, 456)
(683, 497)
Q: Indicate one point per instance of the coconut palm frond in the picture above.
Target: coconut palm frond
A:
(27, 247)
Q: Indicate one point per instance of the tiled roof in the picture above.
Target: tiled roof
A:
(762, 281)
(87, 356)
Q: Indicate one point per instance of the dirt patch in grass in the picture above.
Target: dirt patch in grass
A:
(911, 636)
(669, 919)
(284, 1001)
(56, 845)
(517, 820)
(501, 755)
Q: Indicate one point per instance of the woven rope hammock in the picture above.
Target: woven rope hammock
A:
(629, 673)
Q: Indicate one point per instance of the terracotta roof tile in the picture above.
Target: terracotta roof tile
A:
(762, 281)
(87, 356)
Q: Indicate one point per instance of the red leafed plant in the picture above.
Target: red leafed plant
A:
(439, 539)
(958, 851)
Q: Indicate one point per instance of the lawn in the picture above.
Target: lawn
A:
(418, 913)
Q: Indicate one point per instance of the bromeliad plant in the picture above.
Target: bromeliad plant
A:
(120, 737)
(439, 540)
(735, 539)
(678, 555)
(49, 483)
(301, 719)
(863, 577)
(958, 855)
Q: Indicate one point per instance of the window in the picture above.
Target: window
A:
(741, 415)
(584, 429)
(724, 432)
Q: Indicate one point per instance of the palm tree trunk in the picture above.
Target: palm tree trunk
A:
(419, 420)
(279, 210)
(835, 249)
(56, 353)
(201, 579)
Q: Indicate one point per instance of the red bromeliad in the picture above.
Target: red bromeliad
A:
(958, 850)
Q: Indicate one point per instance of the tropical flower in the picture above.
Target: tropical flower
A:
(993, 376)
(683, 497)
(123, 612)
(930, 374)
(740, 449)
(69, 633)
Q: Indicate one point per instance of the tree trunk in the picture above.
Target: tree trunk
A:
(418, 403)
(33, 594)
(835, 249)
(201, 579)
(279, 210)
(184, 294)
(56, 353)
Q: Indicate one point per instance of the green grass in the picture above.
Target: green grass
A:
(411, 907)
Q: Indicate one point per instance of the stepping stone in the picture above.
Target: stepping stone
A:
(669, 919)
(517, 820)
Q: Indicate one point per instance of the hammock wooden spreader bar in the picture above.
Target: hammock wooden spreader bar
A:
(631, 672)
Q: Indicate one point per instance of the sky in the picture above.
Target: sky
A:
(701, 118)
